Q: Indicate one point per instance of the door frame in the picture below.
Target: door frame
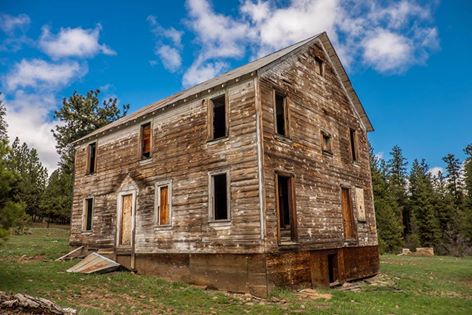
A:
(119, 210)
(292, 203)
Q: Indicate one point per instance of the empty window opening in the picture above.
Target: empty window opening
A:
(146, 141)
(326, 142)
(92, 155)
(163, 205)
(348, 221)
(219, 117)
(281, 114)
(284, 203)
(352, 139)
(219, 197)
(318, 66)
(88, 213)
(332, 268)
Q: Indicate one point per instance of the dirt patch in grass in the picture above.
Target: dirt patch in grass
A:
(24, 259)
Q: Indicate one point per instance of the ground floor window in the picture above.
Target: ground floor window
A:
(219, 196)
(163, 202)
(285, 207)
(87, 214)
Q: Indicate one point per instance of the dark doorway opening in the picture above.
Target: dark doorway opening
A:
(285, 207)
(332, 268)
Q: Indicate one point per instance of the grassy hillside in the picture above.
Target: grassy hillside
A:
(436, 285)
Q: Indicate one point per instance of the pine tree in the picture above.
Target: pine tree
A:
(56, 199)
(467, 226)
(389, 226)
(3, 122)
(33, 177)
(454, 234)
(11, 208)
(397, 185)
(421, 204)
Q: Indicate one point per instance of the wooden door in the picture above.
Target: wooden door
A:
(347, 214)
(164, 218)
(126, 220)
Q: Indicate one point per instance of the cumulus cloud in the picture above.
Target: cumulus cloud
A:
(389, 37)
(168, 45)
(201, 71)
(37, 73)
(9, 24)
(73, 42)
(170, 57)
(14, 28)
(28, 119)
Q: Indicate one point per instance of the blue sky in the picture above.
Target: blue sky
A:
(409, 60)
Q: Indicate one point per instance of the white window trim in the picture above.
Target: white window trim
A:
(211, 212)
(84, 214)
(119, 210)
(157, 202)
(87, 164)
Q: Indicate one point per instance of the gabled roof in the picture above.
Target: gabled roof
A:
(247, 69)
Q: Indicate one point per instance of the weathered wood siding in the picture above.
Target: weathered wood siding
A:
(180, 154)
(315, 103)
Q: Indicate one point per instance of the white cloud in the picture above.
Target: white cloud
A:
(170, 52)
(379, 156)
(202, 71)
(434, 171)
(170, 57)
(73, 42)
(389, 36)
(14, 28)
(27, 118)
(37, 73)
(387, 52)
(10, 24)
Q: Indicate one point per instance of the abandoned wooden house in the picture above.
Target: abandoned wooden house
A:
(254, 179)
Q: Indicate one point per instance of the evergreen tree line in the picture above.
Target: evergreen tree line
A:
(26, 192)
(421, 209)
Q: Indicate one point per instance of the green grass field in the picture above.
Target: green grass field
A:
(422, 285)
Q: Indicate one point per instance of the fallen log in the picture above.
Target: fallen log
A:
(23, 303)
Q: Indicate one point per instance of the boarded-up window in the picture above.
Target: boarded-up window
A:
(281, 118)
(146, 141)
(348, 221)
(318, 66)
(163, 204)
(326, 142)
(92, 157)
(352, 140)
(88, 214)
(218, 117)
(219, 196)
(360, 205)
(126, 220)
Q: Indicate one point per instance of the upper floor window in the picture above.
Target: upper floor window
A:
(326, 142)
(319, 66)
(92, 158)
(353, 142)
(87, 214)
(218, 114)
(219, 197)
(281, 115)
(146, 141)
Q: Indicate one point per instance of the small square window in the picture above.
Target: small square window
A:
(319, 66)
(326, 142)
